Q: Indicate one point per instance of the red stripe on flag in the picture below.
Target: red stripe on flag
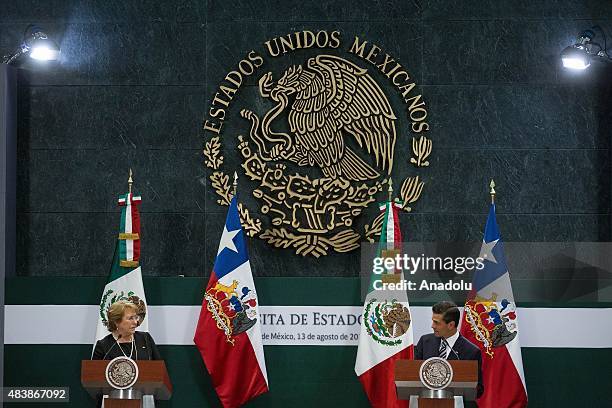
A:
(136, 228)
(397, 233)
(503, 387)
(379, 382)
(234, 369)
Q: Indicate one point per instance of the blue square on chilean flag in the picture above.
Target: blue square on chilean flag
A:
(232, 248)
(495, 261)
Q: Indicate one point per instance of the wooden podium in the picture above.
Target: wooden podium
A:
(153, 380)
(464, 382)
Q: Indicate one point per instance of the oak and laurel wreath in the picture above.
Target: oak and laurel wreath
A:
(410, 192)
(380, 322)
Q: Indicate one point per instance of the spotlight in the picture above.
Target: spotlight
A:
(577, 55)
(580, 55)
(37, 44)
(43, 48)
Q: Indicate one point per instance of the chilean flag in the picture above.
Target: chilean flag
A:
(228, 333)
(490, 322)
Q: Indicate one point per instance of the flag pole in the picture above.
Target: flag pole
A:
(389, 277)
(130, 181)
(492, 192)
(235, 184)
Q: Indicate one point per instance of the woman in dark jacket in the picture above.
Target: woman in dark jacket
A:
(124, 340)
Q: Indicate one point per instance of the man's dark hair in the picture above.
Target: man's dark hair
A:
(448, 310)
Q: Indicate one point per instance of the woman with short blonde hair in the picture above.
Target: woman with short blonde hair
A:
(115, 312)
(122, 320)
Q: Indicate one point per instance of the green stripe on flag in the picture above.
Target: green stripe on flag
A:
(382, 244)
(117, 270)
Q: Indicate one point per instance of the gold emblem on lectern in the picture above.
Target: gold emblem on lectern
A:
(121, 373)
(324, 150)
(436, 373)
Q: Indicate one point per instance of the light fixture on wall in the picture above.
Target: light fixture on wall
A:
(37, 44)
(580, 55)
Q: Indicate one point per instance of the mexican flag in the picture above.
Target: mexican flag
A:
(386, 330)
(125, 279)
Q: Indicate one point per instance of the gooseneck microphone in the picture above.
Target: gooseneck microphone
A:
(115, 343)
(451, 349)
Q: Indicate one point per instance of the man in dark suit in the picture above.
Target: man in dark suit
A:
(444, 322)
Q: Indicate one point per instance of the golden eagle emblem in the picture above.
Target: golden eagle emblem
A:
(327, 113)
(333, 98)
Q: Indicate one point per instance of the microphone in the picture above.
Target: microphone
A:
(115, 343)
(452, 349)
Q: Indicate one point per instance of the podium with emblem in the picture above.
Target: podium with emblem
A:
(126, 383)
(435, 382)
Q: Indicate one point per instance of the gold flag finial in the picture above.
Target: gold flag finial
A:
(235, 183)
(492, 192)
(130, 182)
(390, 190)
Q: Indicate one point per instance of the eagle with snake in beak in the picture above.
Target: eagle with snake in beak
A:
(332, 98)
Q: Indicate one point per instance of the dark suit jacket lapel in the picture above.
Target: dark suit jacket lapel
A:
(436, 350)
(458, 347)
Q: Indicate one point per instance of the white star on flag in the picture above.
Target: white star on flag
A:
(486, 252)
(227, 240)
